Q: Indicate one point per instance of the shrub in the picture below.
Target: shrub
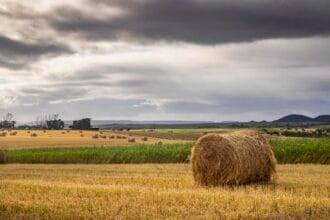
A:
(95, 136)
(159, 143)
(103, 136)
(34, 135)
(112, 137)
(145, 138)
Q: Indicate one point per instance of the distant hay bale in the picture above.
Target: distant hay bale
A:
(145, 138)
(2, 157)
(103, 136)
(131, 140)
(3, 134)
(81, 135)
(95, 136)
(232, 159)
(112, 137)
(123, 137)
(34, 135)
(118, 137)
(14, 133)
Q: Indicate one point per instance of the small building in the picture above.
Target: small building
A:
(83, 124)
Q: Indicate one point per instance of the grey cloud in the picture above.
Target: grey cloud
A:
(53, 94)
(274, 107)
(96, 108)
(202, 22)
(16, 54)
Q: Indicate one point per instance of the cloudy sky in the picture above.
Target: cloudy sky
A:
(165, 59)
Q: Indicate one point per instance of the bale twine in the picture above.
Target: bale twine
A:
(232, 159)
(2, 157)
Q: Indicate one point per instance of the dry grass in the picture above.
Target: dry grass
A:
(156, 192)
(177, 134)
(52, 138)
(236, 158)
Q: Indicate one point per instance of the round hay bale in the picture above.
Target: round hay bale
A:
(131, 140)
(2, 157)
(232, 159)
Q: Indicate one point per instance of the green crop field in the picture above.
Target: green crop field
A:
(169, 153)
(302, 150)
(287, 150)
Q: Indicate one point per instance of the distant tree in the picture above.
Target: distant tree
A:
(8, 121)
(41, 122)
(54, 123)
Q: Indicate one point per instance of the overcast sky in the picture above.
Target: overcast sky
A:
(165, 59)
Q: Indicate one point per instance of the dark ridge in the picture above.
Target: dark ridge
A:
(322, 118)
(295, 118)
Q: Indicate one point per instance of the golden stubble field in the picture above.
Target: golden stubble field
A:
(154, 191)
(23, 139)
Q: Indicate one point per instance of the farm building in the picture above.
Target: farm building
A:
(83, 124)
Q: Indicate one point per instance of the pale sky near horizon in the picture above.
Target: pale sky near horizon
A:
(218, 60)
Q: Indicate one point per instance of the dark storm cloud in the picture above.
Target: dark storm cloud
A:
(14, 47)
(15, 54)
(202, 22)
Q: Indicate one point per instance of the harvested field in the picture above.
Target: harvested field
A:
(47, 139)
(177, 134)
(157, 191)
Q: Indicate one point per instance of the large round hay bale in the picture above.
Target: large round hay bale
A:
(232, 159)
(2, 157)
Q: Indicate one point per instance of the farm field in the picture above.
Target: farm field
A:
(49, 138)
(286, 150)
(150, 191)
(187, 134)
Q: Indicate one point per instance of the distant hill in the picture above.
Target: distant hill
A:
(303, 118)
(295, 119)
(322, 118)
